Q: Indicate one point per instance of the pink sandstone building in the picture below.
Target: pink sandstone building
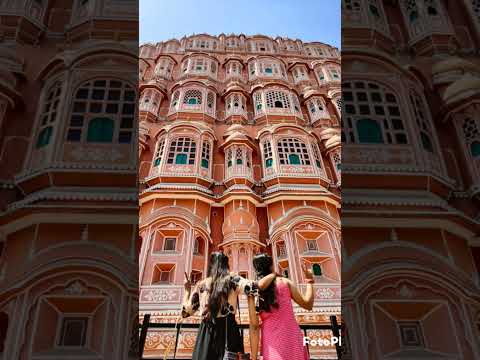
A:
(239, 141)
(411, 179)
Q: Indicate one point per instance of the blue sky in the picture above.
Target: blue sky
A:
(308, 20)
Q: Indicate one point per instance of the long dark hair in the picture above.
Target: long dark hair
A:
(263, 266)
(219, 272)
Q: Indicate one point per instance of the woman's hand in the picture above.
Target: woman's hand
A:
(307, 272)
(188, 282)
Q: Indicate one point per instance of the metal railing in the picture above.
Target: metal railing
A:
(146, 325)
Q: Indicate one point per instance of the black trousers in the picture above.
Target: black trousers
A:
(210, 343)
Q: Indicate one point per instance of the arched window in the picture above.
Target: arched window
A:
(379, 109)
(159, 152)
(100, 130)
(293, 152)
(48, 115)
(182, 151)
(267, 153)
(192, 97)
(369, 132)
(205, 155)
(103, 99)
(317, 270)
(229, 158)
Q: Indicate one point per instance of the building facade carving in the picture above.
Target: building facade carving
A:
(239, 154)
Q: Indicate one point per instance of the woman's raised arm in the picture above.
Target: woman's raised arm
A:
(304, 300)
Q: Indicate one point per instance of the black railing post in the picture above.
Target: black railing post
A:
(143, 333)
(305, 335)
(336, 333)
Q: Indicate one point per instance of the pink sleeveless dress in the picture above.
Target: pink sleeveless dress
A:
(282, 338)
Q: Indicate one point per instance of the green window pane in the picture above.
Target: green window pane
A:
(239, 161)
(317, 270)
(294, 159)
(475, 149)
(44, 137)
(269, 163)
(205, 163)
(427, 144)
(192, 101)
(157, 162)
(369, 132)
(100, 130)
(319, 164)
(229, 163)
(268, 70)
(181, 159)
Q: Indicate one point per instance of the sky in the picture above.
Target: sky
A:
(307, 20)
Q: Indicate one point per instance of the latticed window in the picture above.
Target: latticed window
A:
(296, 103)
(211, 100)
(106, 108)
(277, 99)
(334, 74)
(316, 108)
(213, 67)
(163, 67)
(268, 154)
(182, 151)
(205, 154)
(337, 161)
(300, 73)
(159, 152)
(371, 114)
(423, 123)
(476, 8)
(48, 114)
(239, 157)
(258, 102)
(281, 250)
(339, 104)
(229, 157)
(316, 155)
(472, 136)
(321, 75)
(192, 97)
(175, 98)
(231, 42)
(293, 152)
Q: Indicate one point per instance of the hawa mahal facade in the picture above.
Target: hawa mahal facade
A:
(240, 146)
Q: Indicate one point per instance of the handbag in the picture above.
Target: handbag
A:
(230, 355)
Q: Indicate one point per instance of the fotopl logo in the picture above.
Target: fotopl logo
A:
(334, 340)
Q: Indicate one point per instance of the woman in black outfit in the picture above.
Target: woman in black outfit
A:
(216, 299)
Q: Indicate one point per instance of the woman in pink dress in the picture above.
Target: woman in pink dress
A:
(282, 338)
